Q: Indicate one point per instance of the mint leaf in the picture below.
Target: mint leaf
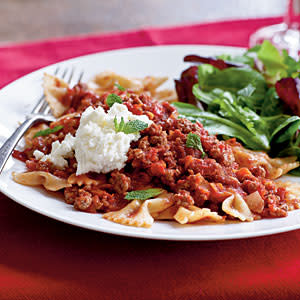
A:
(193, 141)
(134, 126)
(112, 99)
(129, 127)
(119, 127)
(143, 194)
(48, 131)
(120, 88)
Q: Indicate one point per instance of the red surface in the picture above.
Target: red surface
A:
(44, 259)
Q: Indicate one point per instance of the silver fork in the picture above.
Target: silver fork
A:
(39, 113)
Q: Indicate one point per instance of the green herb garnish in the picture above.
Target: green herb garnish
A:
(129, 127)
(48, 131)
(193, 141)
(112, 99)
(120, 88)
(143, 194)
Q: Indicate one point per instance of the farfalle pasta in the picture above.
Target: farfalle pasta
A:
(195, 214)
(140, 213)
(55, 89)
(46, 179)
(107, 80)
(237, 207)
(261, 162)
(168, 167)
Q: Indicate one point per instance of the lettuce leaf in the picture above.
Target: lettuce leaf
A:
(249, 83)
(273, 61)
(244, 59)
(272, 104)
(277, 65)
(287, 127)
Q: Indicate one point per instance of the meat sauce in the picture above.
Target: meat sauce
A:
(160, 158)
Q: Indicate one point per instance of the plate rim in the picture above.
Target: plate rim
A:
(137, 234)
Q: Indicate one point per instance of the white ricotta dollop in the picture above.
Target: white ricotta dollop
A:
(59, 152)
(98, 147)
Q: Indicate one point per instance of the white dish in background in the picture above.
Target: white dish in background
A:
(18, 98)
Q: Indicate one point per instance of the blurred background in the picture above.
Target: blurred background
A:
(39, 19)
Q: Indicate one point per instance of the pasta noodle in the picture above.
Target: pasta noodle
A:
(165, 95)
(106, 81)
(236, 206)
(275, 167)
(195, 214)
(159, 204)
(134, 214)
(138, 213)
(167, 214)
(82, 180)
(55, 89)
(293, 193)
(35, 178)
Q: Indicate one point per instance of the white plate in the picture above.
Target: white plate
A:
(18, 98)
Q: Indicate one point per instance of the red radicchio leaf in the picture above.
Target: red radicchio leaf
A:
(288, 91)
(216, 62)
(184, 86)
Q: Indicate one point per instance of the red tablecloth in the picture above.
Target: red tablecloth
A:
(44, 259)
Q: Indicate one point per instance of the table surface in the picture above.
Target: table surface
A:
(35, 19)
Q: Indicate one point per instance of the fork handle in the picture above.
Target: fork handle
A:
(10, 144)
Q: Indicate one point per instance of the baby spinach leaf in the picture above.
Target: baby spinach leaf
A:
(256, 138)
(186, 108)
(295, 172)
(247, 91)
(272, 105)
(239, 59)
(206, 97)
(233, 80)
(215, 124)
(288, 132)
(281, 122)
(290, 151)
